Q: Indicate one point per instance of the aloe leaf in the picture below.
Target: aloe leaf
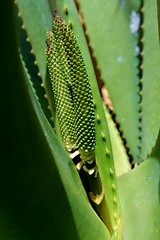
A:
(150, 79)
(36, 27)
(41, 193)
(119, 152)
(72, 188)
(139, 196)
(114, 48)
(36, 20)
(49, 187)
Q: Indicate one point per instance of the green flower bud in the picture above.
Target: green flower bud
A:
(71, 89)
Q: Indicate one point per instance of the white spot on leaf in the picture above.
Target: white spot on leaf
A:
(120, 59)
(134, 22)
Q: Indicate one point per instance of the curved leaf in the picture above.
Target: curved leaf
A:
(68, 176)
(41, 193)
(37, 19)
(151, 79)
(114, 47)
(119, 153)
(139, 195)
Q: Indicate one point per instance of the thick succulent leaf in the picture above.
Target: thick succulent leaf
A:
(119, 152)
(150, 79)
(108, 27)
(37, 19)
(73, 17)
(139, 196)
(75, 198)
(41, 193)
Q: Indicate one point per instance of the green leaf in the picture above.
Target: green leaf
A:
(114, 48)
(150, 79)
(37, 19)
(72, 195)
(119, 152)
(46, 194)
(139, 195)
(41, 194)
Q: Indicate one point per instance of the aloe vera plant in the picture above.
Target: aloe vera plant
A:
(80, 151)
